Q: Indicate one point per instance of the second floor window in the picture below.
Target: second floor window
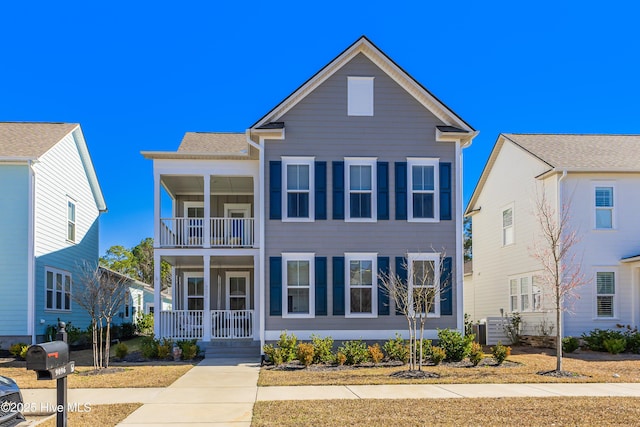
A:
(57, 289)
(361, 189)
(298, 182)
(507, 226)
(604, 207)
(71, 220)
(423, 181)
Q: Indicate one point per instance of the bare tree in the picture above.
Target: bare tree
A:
(416, 298)
(88, 297)
(113, 288)
(555, 250)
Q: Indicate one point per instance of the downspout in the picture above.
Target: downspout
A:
(31, 264)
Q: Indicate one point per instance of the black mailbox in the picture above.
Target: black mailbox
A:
(47, 356)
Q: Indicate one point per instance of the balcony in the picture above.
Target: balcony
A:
(191, 232)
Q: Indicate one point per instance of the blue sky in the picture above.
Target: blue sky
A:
(137, 75)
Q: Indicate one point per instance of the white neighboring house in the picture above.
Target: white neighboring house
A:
(598, 177)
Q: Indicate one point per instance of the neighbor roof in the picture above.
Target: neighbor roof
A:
(583, 152)
(210, 142)
(31, 140)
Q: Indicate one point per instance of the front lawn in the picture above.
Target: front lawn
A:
(99, 415)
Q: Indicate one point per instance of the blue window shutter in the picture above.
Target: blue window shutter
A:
(401, 272)
(275, 189)
(383, 296)
(321, 286)
(383, 190)
(338, 190)
(338, 285)
(321, 190)
(446, 283)
(275, 286)
(401, 190)
(445, 191)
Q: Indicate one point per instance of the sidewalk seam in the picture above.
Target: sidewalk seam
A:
(353, 392)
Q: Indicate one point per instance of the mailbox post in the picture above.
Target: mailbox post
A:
(51, 361)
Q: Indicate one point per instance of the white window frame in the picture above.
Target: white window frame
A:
(309, 161)
(435, 257)
(72, 222)
(512, 226)
(360, 161)
(55, 292)
(298, 256)
(424, 161)
(368, 256)
(604, 184)
(186, 297)
(614, 301)
(360, 96)
(235, 274)
(532, 279)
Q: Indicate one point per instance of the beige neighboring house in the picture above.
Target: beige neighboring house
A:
(598, 177)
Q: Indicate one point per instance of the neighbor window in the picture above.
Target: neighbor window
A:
(525, 294)
(361, 290)
(360, 96)
(423, 181)
(507, 226)
(361, 189)
(71, 220)
(606, 292)
(195, 293)
(604, 207)
(424, 279)
(299, 285)
(57, 289)
(298, 203)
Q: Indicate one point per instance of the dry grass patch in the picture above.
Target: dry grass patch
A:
(545, 411)
(523, 371)
(100, 415)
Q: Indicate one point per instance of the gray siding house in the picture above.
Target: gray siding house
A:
(359, 171)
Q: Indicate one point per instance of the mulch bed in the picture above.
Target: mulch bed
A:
(561, 374)
(105, 371)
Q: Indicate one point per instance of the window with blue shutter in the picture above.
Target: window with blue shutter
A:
(321, 286)
(383, 295)
(321, 189)
(446, 203)
(338, 286)
(401, 272)
(338, 190)
(401, 190)
(383, 190)
(446, 285)
(275, 286)
(275, 189)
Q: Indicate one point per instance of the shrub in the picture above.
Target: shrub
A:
(615, 345)
(375, 353)
(165, 349)
(305, 353)
(596, 338)
(121, 350)
(144, 325)
(273, 354)
(633, 341)
(189, 349)
(149, 347)
(128, 331)
(355, 352)
(500, 352)
(475, 354)
(16, 349)
(23, 352)
(454, 344)
(288, 344)
(437, 355)
(570, 344)
(116, 332)
(397, 349)
(426, 349)
(341, 358)
(322, 349)
(512, 328)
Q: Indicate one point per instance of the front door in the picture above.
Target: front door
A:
(237, 233)
(194, 211)
(238, 290)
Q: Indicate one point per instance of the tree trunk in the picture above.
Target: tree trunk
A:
(107, 344)
(558, 337)
(94, 337)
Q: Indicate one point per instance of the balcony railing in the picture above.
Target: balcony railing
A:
(189, 232)
(181, 324)
(189, 324)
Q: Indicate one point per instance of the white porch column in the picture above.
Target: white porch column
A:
(258, 304)
(156, 209)
(207, 211)
(157, 300)
(257, 210)
(206, 322)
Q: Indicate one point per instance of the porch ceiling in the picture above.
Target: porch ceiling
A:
(181, 184)
(216, 261)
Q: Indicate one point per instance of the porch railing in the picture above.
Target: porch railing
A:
(181, 324)
(227, 324)
(189, 232)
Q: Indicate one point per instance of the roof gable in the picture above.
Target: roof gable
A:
(23, 140)
(364, 46)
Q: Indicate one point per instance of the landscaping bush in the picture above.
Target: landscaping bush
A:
(116, 332)
(437, 355)
(570, 344)
(16, 349)
(633, 341)
(149, 347)
(287, 345)
(165, 349)
(128, 331)
(596, 338)
(322, 349)
(23, 352)
(375, 354)
(454, 344)
(397, 349)
(189, 349)
(615, 345)
(341, 358)
(475, 354)
(500, 352)
(121, 350)
(273, 354)
(305, 353)
(144, 325)
(355, 352)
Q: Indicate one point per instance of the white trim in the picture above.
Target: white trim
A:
(425, 161)
(245, 207)
(432, 256)
(31, 260)
(363, 256)
(243, 274)
(360, 96)
(531, 279)
(594, 209)
(512, 226)
(360, 161)
(190, 204)
(309, 161)
(349, 334)
(459, 263)
(148, 306)
(55, 271)
(310, 257)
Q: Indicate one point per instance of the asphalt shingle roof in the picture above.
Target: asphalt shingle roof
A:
(31, 140)
(209, 142)
(603, 152)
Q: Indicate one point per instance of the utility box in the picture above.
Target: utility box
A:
(50, 360)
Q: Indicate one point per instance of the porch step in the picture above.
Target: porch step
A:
(232, 348)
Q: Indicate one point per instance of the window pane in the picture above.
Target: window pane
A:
(71, 231)
(605, 283)
(525, 303)
(298, 205)
(604, 196)
(360, 300)
(423, 273)
(507, 236)
(507, 217)
(298, 301)
(196, 304)
(71, 211)
(59, 282)
(49, 299)
(58, 300)
(298, 273)
(297, 177)
(360, 205)
(423, 205)
(514, 303)
(360, 177)
(604, 218)
(237, 304)
(423, 178)
(605, 306)
(513, 286)
(49, 280)
(524, 285)
(360, 273)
